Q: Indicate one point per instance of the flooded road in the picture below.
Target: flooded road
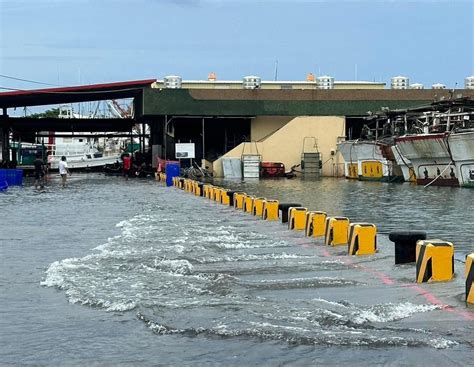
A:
(120, 272)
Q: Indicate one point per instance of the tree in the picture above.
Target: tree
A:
(52, 113)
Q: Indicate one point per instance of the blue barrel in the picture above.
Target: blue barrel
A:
(172, 170)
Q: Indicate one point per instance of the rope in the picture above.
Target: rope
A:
(434, 179)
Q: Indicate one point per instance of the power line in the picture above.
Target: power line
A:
(27, 80)
(6, 88)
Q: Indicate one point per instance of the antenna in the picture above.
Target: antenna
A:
(451, 92)
(276, 70)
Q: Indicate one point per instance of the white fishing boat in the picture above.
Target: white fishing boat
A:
(80, 153)
(368, 160)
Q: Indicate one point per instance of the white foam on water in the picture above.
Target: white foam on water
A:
(441, 343)
(252, 257)
(183, 267)
(391, 312)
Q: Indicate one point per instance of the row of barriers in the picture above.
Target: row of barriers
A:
(434, 259)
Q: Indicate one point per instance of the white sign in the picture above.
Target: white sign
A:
(185, 150)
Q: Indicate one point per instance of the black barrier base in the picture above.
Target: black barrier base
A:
(284, 210)
(405, 245)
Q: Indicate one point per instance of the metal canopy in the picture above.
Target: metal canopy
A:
(82, 93)
(26, 124)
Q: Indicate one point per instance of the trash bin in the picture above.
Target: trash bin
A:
(171, 170)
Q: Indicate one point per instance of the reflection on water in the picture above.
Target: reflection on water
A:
(442, 212)
(212, 284)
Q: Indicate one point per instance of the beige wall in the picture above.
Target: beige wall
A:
(286, 144)
(262, 126)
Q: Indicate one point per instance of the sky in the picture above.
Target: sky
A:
(71, 42)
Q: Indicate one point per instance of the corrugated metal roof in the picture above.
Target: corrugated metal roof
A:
(82, 88)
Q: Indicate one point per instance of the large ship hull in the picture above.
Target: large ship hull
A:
(461, 146)
(430, 157)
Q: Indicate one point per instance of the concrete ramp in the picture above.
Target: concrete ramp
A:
(285, 144)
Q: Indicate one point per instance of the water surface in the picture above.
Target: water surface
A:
(109, 271)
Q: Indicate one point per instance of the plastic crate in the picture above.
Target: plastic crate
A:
(3, 175)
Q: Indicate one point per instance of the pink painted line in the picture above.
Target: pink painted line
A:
(385, 279)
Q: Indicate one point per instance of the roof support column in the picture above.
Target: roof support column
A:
(4, 136)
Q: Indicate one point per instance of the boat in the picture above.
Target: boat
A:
(369, 161)
(442, 152)
(431, 159)
(81, 154)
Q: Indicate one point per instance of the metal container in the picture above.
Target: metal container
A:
(172, 81)
(251, 165)
(251, 82)
(232, 167)
(325, 82)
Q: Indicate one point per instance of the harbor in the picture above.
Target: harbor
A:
(236, 183)
(173, 277)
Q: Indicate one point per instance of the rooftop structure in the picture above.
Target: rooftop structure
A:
(249, 82)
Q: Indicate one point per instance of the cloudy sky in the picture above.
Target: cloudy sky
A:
(69, 42)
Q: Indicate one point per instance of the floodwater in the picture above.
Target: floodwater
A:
(115, 272)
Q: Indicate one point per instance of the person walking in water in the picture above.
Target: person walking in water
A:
(39, 171)
(63, 170)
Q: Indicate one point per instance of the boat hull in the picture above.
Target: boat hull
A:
(461, 146)
(367, 161)
(430, 157)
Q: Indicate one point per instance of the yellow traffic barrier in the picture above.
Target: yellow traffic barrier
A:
(362, 239)
(270, 210)
(198, 189)
(258, 206)
(217, 194)
(206, 189)
(469, 273)
(434, 261)
(248, 204)
(239, 200)
(336, 231)
(211, 192)
(315, 223)
(225, 199)
(297, 218)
